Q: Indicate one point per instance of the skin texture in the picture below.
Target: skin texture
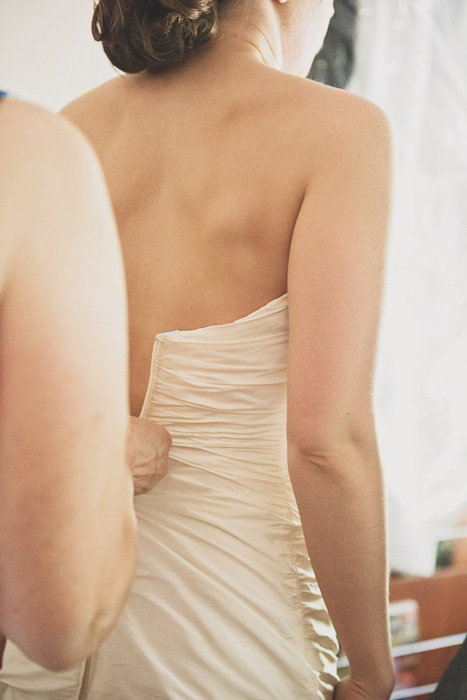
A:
(67, 525)
(235, 180)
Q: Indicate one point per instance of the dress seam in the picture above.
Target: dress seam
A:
(152, 378)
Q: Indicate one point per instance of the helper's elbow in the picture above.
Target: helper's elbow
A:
(64, 639)
(56, 659)
(54, 647)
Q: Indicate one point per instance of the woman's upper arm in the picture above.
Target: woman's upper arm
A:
(335, 282)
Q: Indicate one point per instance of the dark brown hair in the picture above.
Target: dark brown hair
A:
(145, 35)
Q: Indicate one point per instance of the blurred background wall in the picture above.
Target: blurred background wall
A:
(47, 53)
(410, 57)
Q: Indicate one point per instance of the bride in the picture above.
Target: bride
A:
(253, 210)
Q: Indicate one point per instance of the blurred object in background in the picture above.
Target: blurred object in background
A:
(452, 546)
(430, 614)
(334, 63)
(404, 621)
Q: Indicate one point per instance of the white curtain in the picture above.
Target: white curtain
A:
(411, 59)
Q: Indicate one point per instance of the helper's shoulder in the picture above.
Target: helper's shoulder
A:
(39, 148)
(31, 131)
(35, 148)
(44, 159)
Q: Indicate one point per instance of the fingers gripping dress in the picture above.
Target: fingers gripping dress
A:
(224, 605)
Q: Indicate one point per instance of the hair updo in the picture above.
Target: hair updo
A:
(146, 35)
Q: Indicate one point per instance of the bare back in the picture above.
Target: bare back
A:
(207, 183)
(208, 173)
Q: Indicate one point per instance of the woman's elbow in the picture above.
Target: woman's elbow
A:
(333, 447)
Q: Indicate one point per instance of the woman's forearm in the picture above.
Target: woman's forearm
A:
(340, 496)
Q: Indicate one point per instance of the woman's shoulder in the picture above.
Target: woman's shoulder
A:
(336, 128)
(316, 121)
(330, 112)
(97, 108)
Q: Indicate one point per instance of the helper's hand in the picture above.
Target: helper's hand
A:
(148, 448)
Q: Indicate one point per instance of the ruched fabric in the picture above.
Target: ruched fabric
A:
(224, 605)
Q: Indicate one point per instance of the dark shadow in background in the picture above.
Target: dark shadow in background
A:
(453, 684)
(334, 63)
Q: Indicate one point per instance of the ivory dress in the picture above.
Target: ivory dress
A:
(224, 605)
